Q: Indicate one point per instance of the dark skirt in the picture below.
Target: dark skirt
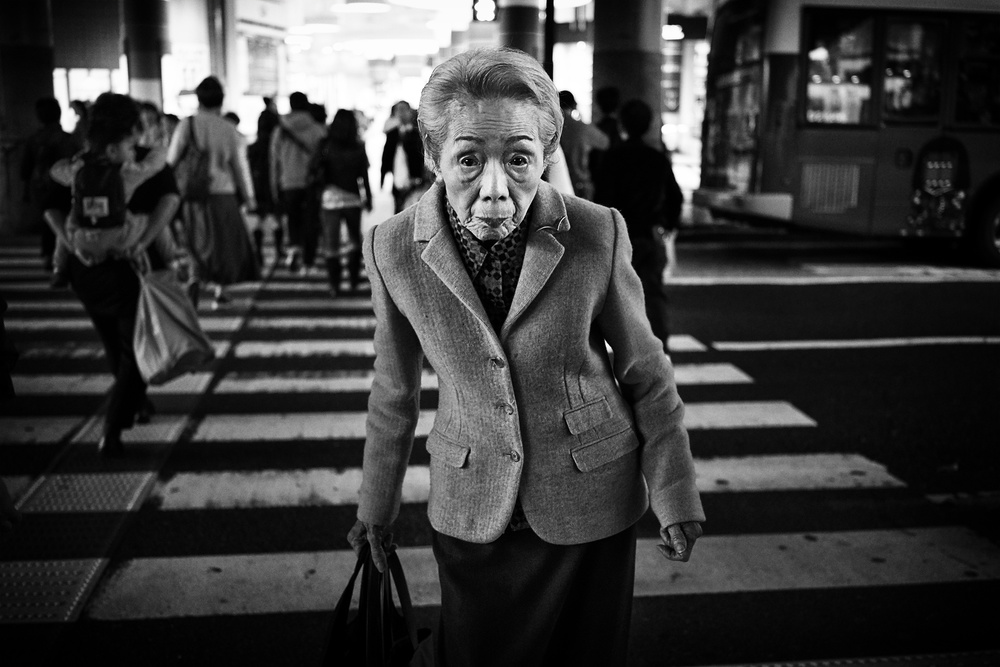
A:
(218, 240)
(521, 601)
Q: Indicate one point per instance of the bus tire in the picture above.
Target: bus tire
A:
(984, 235)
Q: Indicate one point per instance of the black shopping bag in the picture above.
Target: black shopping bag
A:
(168, 340)
(378, 634)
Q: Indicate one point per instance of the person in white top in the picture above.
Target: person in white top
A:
(215, 233)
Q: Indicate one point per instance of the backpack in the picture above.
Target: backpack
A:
(99, 194)
(191, 171)
(99, 226)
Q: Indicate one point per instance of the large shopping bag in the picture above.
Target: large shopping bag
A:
(379, 634)
(168, 339)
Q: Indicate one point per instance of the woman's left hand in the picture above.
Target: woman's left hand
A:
(679, 539)
(140, 260)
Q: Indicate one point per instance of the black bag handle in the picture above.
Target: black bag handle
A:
(402, 592)
(344, 604)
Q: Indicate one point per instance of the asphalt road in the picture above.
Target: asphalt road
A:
(842, 411)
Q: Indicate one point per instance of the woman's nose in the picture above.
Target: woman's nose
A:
(494, 183)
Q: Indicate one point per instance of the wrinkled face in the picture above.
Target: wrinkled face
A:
(491, 163)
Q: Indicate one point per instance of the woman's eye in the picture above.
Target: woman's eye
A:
(519, 161)
(468, 161)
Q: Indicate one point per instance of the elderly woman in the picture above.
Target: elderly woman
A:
(545, 449)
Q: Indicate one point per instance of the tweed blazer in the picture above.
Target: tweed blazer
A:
(542, 411)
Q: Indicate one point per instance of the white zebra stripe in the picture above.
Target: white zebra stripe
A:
(83, 384)
(848, 344)
(311, 323)
(299, 488)
(36, 430)
(274, 583)
(298, 286)
(351, 425)
(306, 348)
(365, 347)
(313, 304)
(208, 324)
(80, 351)
(343, 381)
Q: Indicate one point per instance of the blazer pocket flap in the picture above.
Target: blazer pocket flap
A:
(588, 416)
(593, 456)
(447, 450)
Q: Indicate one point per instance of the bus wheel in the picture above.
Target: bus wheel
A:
(984, 236)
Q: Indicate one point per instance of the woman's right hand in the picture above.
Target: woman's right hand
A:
(376, 536)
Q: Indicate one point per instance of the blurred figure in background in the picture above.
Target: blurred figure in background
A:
(82, 111)
(577, 142)
(342, 165)
(170, 123)
(215, 232)
(638, 180)
(403, 156)
(259, 157)
(608, 100)
(49, 144)
(102, 272)
(293, 144)
(153, 131)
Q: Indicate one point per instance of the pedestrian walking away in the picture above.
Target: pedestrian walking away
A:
(638, 180)
(266, 216)
(215, 232)
(578, 141)
(545, 449)
(341, 165)
(108, 232)
(49, 144)
(403, 156)
(293, 144)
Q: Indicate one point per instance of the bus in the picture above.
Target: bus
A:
(878, 118)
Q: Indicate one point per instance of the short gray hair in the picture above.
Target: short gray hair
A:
(486, 74)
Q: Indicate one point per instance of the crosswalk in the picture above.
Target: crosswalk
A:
(233, 503)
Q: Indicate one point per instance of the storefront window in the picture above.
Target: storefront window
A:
(978, 101)
(912, 81)
(839, 87)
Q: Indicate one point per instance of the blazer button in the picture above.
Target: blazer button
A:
(515, 457)
(497, 362)
(506, 408)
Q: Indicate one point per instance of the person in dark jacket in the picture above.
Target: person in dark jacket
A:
(343, 165)
(49, 144)
(403, 155)
(638, 180)
(259, 156)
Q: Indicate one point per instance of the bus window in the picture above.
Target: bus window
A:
(732, 115)
(912, 84)
(978, 100)
(839, 87)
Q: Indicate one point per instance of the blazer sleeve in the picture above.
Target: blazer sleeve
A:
(646, 378)
(394, 402)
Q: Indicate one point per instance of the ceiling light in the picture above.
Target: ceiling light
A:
(315, 29)
(359, 7)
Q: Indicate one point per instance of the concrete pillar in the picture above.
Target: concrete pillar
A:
(26, 62)
(628, 55)
(146, 40)
(521, 25)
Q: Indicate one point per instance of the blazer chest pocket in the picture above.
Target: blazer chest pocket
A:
(603, 438)
(447, 450)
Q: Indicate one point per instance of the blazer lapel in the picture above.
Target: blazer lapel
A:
(542, 253)
(441, 253)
